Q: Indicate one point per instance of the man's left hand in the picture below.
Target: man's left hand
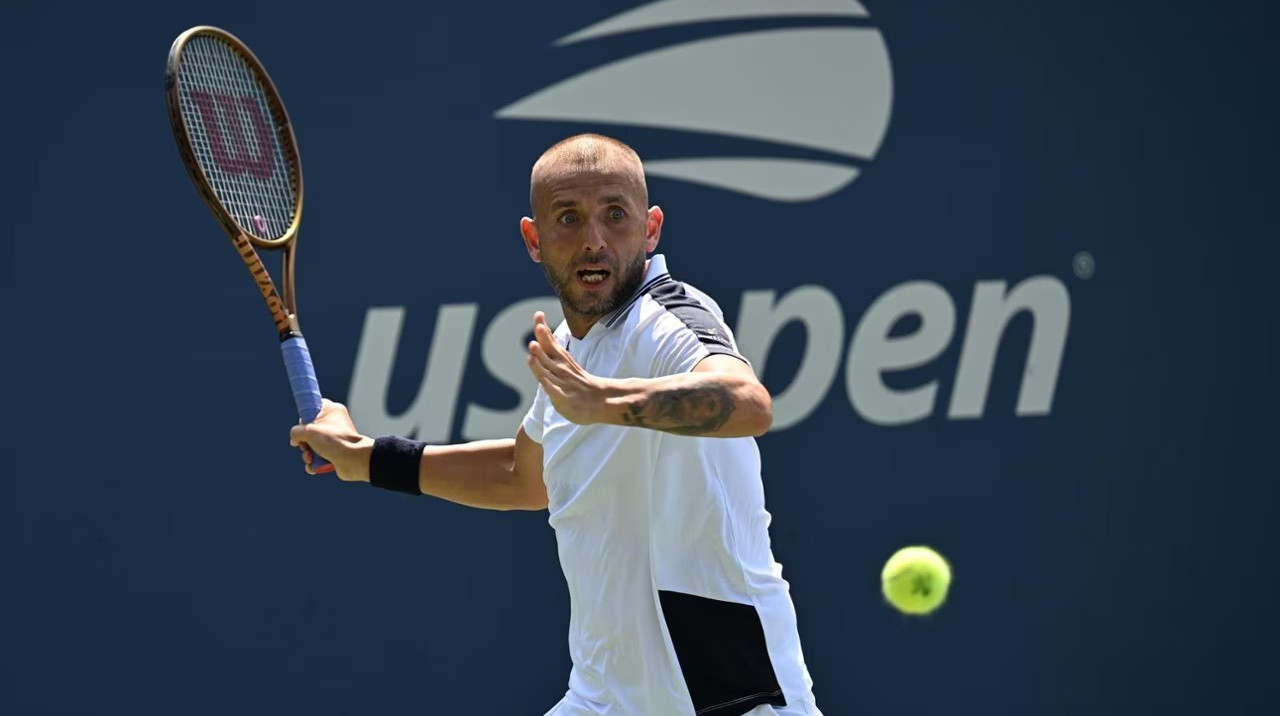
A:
(575, 393)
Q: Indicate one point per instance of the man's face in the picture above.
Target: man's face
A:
(592, 234)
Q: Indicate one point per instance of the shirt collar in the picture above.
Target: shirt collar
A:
(656, 274)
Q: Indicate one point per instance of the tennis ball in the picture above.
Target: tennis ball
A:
(915, 580)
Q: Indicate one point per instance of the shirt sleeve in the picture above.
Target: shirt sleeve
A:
(676, 349)
(686, 332)
(532, 422)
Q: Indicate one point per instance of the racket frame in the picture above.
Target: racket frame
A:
(281, 304)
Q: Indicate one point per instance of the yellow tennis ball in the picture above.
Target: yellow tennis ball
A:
(915, 580)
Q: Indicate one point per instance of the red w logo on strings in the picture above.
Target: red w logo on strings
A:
(220, 110)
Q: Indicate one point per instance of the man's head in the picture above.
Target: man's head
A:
(591, 226)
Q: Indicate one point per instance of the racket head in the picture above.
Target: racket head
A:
(234, 135)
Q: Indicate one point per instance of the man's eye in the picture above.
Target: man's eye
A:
(617, 214)
(568, 218)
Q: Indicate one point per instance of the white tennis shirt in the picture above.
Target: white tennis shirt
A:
(677, 605)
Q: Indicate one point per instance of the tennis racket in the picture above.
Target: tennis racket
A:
(237, 143)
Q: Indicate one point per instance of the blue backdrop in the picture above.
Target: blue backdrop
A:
(1079, 193)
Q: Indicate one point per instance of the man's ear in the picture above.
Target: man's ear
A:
(653, 229)
(529, 231)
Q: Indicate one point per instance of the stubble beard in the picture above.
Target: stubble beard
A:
(596, 306)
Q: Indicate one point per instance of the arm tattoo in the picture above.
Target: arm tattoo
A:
(683, 411)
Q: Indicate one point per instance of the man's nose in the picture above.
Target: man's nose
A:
(593, 239)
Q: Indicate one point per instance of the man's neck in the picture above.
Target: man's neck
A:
(579, 325)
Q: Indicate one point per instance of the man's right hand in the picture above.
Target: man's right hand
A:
(334, 437)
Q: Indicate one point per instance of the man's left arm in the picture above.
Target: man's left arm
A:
(720, 397)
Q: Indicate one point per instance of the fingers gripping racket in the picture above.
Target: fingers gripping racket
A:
(236, 141)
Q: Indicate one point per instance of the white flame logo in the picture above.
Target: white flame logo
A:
(825, 88)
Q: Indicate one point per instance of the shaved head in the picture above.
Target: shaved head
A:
(585, 155)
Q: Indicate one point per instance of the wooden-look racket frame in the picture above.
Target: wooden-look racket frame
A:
(282, 304)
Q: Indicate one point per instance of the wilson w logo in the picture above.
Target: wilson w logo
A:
(230, 150)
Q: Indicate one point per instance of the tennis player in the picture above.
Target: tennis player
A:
(640, 443)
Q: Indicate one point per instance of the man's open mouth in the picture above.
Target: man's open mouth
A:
(593, 275)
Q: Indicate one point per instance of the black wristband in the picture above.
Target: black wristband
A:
(394, 464)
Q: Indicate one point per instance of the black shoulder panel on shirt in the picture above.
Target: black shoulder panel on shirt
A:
(701, 320)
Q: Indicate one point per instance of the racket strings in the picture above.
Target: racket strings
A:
(236, 137)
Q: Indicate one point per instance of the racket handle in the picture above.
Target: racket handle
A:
(306, 389)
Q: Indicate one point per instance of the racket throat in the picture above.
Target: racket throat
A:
(291, 328)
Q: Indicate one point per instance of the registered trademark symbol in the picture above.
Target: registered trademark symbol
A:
(1084, 265)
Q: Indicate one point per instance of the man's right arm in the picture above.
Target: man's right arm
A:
(489, 474)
